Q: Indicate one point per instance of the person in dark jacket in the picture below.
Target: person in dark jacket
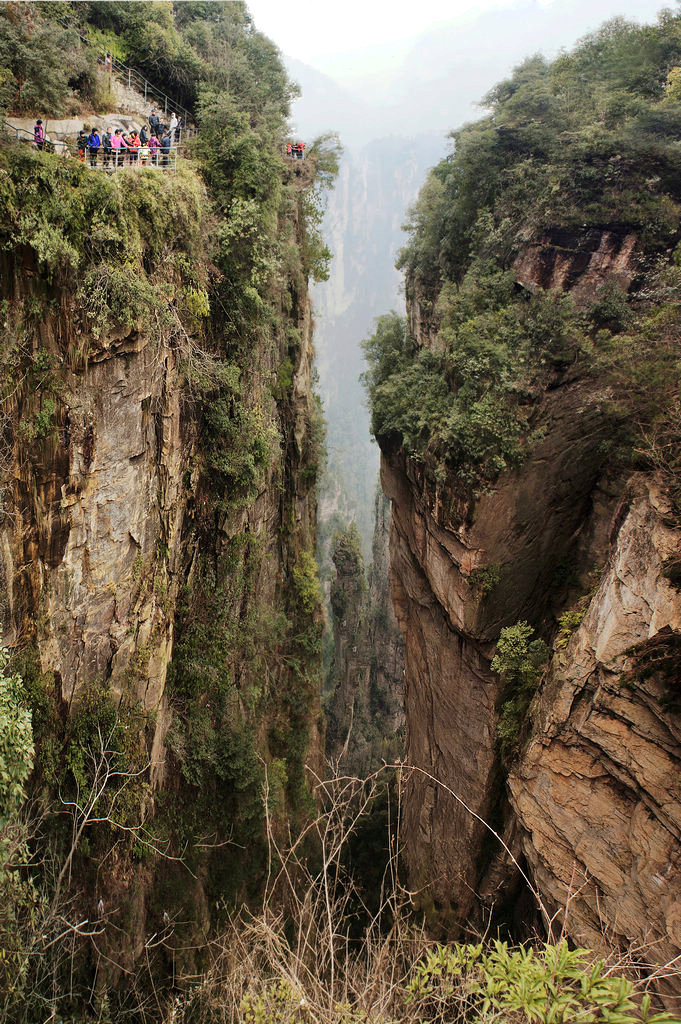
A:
(106, 148)
(93, 144)
(81, 142)
(144, 136)
(165, 148)
(155, 124)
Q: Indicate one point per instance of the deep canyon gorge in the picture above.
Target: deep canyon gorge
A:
(468, 730)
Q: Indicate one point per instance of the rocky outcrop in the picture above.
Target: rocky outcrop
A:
(450, 621)
(115, 538)
(597, 790)
(101, 509)
(580, 262)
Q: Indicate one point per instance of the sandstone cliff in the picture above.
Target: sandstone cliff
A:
(158, 523)
(527, 413)
(593, 798)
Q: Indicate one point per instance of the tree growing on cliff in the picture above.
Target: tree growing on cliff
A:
(519, 660)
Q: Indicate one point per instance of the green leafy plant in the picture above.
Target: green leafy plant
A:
(551, 984)
(519, 661)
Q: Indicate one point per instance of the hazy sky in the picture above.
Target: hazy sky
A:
(410, 66)
(335, 36)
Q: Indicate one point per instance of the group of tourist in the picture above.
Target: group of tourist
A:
(296, 150)
(151, 145)
(120, 147)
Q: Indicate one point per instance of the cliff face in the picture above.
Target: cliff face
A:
(597, 791)
(152, 604)
(594, 803)
(89, 510)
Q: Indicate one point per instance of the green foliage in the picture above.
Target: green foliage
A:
(590, 137)
(486, 578)
(16, 744)
(114, 239)
(569, 621)
(519, 661)
(467, 407)
(324, 155)
(552, 984)
(306, 583)
(41, 62)
(587, 141)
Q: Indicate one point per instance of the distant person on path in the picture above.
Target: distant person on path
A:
(108, 62)
(171, 128)
(144, 138)
(166, 142)
(288, 149)
(154, 123)
(39, 134)
(144, 154)
(106, 147)
(93, 144)
(81, 142)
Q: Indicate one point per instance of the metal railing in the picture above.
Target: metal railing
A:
(113, 160)
(121, 160)
(18, 133)
(134, 80)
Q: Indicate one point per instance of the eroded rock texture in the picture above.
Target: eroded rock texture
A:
(597, 791)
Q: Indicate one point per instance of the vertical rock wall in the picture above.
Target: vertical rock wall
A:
(593, 798)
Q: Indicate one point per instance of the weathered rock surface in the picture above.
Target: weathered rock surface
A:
(598, 790)
(529, 524)
(580, 262)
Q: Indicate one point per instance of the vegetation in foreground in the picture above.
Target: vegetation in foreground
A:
(300, 958)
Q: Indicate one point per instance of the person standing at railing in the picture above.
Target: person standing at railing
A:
(93, 144)
(155, 124)
(154, 146)
(165, 148)
(106, 148)
(117, 148)
(133, 146)
(171, 128)
(39, 134)
(81, 143)
(144, 137)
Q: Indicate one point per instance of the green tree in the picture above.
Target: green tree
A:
(519, 660)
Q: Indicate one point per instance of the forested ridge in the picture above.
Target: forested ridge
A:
(527, 411)
(588, 142)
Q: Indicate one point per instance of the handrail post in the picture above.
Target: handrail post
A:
(129, 78)
(145, 90)
(166, 105)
